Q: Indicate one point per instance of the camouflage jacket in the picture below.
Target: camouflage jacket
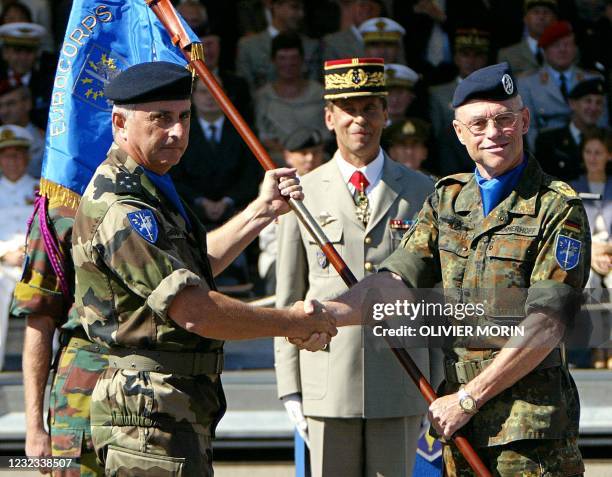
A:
(515, 247)
(39, 290)
(133, 254)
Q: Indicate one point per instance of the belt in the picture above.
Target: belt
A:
(67, 335)
(462, 372)
(77, 338)
(167, 362)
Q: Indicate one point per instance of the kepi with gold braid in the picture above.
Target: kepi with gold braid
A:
(352, 77)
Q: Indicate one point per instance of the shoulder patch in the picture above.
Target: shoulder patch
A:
(143, 221)
(567, 251)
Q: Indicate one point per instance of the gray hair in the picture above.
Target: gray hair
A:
(125, 110)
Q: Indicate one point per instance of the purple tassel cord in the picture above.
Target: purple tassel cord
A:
(51, 246)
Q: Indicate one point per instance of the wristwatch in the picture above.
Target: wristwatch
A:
(467, 402)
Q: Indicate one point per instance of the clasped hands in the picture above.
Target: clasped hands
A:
(319, 325)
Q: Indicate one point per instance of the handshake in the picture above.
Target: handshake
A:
(314, 325)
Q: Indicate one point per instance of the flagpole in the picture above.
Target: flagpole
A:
(167, 15)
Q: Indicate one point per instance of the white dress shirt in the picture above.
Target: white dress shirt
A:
(218, 126)
(372, 172)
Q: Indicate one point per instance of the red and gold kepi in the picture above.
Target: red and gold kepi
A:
(351, 77)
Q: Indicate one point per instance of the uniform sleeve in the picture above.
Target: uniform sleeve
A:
(562, 265)
(144, 259)
(291, 286)
(39, 292)
(416, 259)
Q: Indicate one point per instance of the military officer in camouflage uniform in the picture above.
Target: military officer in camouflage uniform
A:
(505, 228)
(39, 298)
(144, 270)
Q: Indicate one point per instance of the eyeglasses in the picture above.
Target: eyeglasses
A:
(501, 121)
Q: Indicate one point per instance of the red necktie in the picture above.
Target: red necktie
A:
(359, 181)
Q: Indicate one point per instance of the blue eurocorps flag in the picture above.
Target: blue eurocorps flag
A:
(102, 39)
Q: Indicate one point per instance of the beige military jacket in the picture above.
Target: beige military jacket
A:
(346, 380)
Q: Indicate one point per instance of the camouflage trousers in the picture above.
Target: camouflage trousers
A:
(154, 424)
(80, 364)
(526, 458)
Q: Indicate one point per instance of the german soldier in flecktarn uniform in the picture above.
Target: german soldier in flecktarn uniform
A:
(144, 269)
(516, 241)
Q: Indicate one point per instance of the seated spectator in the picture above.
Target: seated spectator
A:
(382, 38)
(217, 175)
(304, 151)
(193, 12)
(253, 62)
(401, 82)
(17, 191)
(235, 87)
(15, 12)
(407, 142)
(596, 150)
(20, 12)
(348, 43)
(16, 108)
(558, 150)
(24, 65)
(527, 55)
(289, 102)
(596, 153)
(545, 91)
(471, 49)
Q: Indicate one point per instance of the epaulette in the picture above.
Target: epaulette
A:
(127, 183)
(462, 178)
(563, 189)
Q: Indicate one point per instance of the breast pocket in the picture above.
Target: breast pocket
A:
(317, 261)
(510, 260)
(454, 249)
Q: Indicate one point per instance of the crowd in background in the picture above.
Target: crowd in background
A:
(268, 55)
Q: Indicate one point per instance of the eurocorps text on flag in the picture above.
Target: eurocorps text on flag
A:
(102, 39)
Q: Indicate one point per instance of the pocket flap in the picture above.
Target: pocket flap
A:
(455, 242)
(515, 248)
(118, 459)
(332, 230)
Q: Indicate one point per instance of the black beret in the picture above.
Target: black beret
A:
(146, 82)
(302, 139)
(590, 86)
(493, 83)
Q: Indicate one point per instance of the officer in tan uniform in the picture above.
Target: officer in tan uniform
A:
(506, 231)
(364, 202)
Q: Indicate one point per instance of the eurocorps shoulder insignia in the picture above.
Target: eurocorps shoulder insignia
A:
(567, 251)
(143, 221)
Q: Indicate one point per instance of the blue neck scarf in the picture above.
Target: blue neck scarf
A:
(493, 191)
(166, 186)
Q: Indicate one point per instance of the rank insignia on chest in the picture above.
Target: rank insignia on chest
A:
(400, 224)
(322, 259)
(143, 221)
(567, 252)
